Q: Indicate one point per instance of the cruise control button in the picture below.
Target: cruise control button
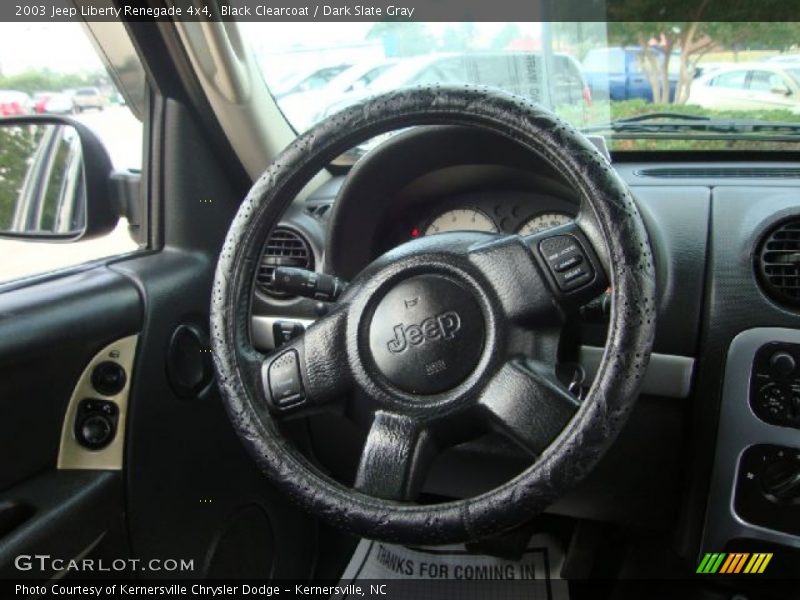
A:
(567, 263)
(574, 274)
(558, 247)
(285, 384)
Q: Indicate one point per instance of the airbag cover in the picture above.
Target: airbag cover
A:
(427, 334)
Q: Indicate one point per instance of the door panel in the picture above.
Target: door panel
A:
(48, 334)
(185, 488)
(191, 490)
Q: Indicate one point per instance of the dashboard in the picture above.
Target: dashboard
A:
(719, 234)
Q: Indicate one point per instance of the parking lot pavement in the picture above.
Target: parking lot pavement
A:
(120, 132)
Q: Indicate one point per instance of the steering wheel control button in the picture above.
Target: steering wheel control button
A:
(96, 423)
(108, 378)
(286, 331)
(285, 383)
(567, 261)
(427, 334)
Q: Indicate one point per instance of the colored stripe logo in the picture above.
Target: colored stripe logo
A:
(734, 562)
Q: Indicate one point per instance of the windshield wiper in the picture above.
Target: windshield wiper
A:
(668, 125)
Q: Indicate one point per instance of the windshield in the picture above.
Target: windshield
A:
(593, 74)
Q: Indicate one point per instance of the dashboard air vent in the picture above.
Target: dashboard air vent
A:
(284, 248)
(778, 262)
(721, 172)
(318, 210)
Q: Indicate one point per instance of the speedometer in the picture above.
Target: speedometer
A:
(543, 222)
(461, 219)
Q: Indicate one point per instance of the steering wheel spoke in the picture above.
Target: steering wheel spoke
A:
(396, 457)
(526, 402)
(542, 275)
(309, 373)
(517, 279)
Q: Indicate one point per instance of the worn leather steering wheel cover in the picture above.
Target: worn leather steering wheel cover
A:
(609, 401)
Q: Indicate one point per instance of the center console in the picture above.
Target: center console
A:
(755, 486)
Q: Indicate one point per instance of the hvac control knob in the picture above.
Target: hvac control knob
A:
(782, 364)
(781, 482)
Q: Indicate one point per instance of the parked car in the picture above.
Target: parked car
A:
(784, 59)
(88, 97)
(522, 73)
(14, 103)
(705, 68)
(307, 80)
(749, 86)
(303, 109)
(39, 99)
(618, 74)
(58, 104)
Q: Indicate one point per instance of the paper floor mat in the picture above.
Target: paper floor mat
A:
(432, 573)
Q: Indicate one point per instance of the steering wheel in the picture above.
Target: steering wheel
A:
(444, 337)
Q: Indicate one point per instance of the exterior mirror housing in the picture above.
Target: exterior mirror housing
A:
(54, 180)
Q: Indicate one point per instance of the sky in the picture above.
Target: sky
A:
(60, 47)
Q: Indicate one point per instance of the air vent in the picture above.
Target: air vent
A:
(284, 248)
(318, 210)
(778, 262)
(721, 172)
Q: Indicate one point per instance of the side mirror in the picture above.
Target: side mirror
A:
(54, 180)
(781, 91)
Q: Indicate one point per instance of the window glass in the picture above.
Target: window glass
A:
(593, 74)
(605, 60)
(72, 81)
(371, 75)
(732, 80)
(766, 81)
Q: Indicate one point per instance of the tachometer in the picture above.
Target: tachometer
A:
(461, 219)
(543, 222)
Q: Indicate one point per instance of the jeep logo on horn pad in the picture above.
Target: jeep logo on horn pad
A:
(426, 334)
(440, 327)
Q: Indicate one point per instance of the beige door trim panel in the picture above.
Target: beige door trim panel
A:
(73, 455)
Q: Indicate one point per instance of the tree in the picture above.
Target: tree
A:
(17, 145)
(458, 38)
(403, 39)
(505, 36)
(45, 80)
(661, 42)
